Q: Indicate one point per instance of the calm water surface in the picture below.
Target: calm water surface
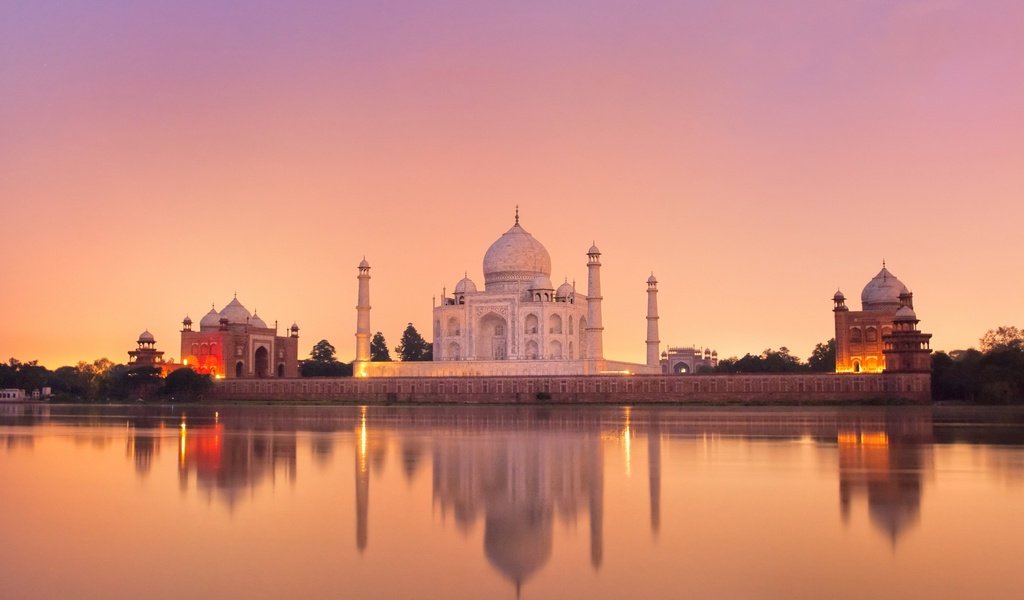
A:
(495, 502)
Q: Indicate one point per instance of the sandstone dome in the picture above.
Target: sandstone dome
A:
(882, 292)
(516, 257)
(146, 337)
(234, 312)
(905, 313)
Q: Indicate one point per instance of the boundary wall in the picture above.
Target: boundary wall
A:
(817, 388)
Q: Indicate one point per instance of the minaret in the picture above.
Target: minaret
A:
(363, 313)
(595, 330)
(652, 322)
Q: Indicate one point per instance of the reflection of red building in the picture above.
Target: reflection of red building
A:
(235, 343)
(228, 462)
(884, 462)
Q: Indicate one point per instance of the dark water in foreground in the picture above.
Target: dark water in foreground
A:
(488, 502)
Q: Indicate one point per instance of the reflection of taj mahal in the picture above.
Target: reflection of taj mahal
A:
(519, 324)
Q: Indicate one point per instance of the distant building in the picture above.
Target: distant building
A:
(235, 343)
(12, 395)
(687, 360)
(883, 335)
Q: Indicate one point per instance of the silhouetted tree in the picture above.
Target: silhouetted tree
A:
(379, 348)
(413, 347)
(323, 351)
(1002, 338)
(823, 357)
(185, 385)
(322, 362)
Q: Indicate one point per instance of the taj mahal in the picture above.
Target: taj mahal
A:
(520, 323)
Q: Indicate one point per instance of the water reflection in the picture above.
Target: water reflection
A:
(519, 485)
(227, 464)
(507, 481)
(885, 463)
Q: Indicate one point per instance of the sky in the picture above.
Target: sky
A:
(157, 157)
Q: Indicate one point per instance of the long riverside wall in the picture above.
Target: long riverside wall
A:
(571, 389)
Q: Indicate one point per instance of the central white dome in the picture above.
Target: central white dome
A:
(516, 257)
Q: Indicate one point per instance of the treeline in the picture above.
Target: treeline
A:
(323, 359)
(822, 359)
(992, 375)
(104, 381)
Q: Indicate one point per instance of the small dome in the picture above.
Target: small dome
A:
(651, 279)
(882, 292)
(363, 264)
(593, 249)
(256, 321)
(465, 286)
(905, 313)
(187, 320)
(294, 327)
(146, 336)
(212, 319)
(839, 297)
(541, 282)
(564, 291)
(515, 257)
(234, 312)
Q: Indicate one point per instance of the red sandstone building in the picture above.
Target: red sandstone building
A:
(235, 343)
(883, 335)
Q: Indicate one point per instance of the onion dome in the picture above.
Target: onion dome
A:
(256, 321)
(363, 264)
(212, 319)
(541, 282)
(146, 337)
(593, 249)
(187, 320)
(882, 292)
(515, 257)
(294, 327)
(465, 286)
(839, 297)
(651, 280)
(234, 312)
(905, 313)
(565, 290)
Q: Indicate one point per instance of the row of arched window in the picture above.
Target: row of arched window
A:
(867, 334)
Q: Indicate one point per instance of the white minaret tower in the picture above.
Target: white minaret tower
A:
(363, 313)
(595, 330)
(652, 322)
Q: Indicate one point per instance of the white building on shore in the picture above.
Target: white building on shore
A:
(519, 324)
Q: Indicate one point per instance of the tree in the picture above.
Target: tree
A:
(185, 385)
(413, 347)
(323, 351)
(1002, 338)
(379, 348)
(823, 357)
(322, 363)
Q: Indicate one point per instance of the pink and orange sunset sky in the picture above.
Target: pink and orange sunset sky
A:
(158, 156)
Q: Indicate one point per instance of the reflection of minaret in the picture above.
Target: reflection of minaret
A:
(362, 483)
(654, 474)
(596, 476)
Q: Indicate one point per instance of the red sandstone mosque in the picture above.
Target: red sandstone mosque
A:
(883, 335)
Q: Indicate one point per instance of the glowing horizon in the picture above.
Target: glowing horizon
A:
(156, 158)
